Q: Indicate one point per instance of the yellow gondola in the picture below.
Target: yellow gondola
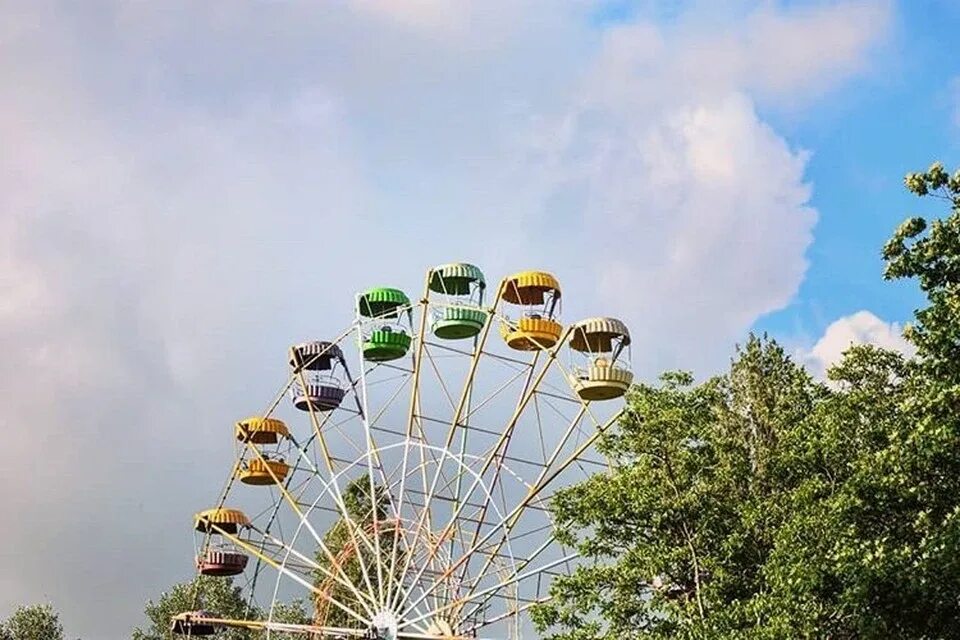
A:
(228, 520)
(533, 298)
(264, 472)
(261, 430)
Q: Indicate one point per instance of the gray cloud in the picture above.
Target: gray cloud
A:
(185, 189)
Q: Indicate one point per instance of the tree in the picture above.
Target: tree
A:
(908, 508)
(760, 504)
(689, 513)
(294, 612)
(218, 596)
(930, 253)
(35, 622)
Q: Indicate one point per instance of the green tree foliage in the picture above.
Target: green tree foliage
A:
(684, 521)
(291, 613)
(218, 596)
(930, 253)
(215, 595)
(762, 504)
(35, 622)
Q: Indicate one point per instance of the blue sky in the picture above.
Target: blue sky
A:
(188, 188)
(898, 118)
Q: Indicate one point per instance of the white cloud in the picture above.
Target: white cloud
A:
(862, 327)
(186, 189)
(693, 218)
(781, 55)
(431, 15)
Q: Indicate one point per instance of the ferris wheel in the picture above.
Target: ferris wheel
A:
(399, 482)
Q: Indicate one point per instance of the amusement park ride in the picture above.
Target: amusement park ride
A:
(403, 489)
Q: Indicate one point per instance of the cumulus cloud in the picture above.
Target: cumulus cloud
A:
(862, 327)
(702, 205)
(186, 189)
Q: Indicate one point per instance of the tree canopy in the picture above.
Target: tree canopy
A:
(217, 595)
(34, 622)
(763, 504)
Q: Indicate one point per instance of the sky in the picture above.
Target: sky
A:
(188, 188)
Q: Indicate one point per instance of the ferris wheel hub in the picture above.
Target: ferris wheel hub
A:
(386, 624)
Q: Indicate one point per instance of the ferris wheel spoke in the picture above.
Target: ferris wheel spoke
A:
(422, 523)
(428, 507)
(340, 577)
(429, 560)
(453, 405)
(502, 616)
(495, 394)
(504, 437)
(428, 549)
(354, 531)
(371, 598)
(439, 377)
(511, 520)
(513, 579)
(289, 573)
(403, 540)
(526, 561)
(421, 588)
(438, 493)
(434, 547)
(371, 447)
(393, 584)
(404, 380)
(474, 362)
(399, 539)
(304, 522)
(547, 475)
(548, 463)
(471, 373)
(296, 505)
(498, 465)
(539, 421)
(412, 419)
